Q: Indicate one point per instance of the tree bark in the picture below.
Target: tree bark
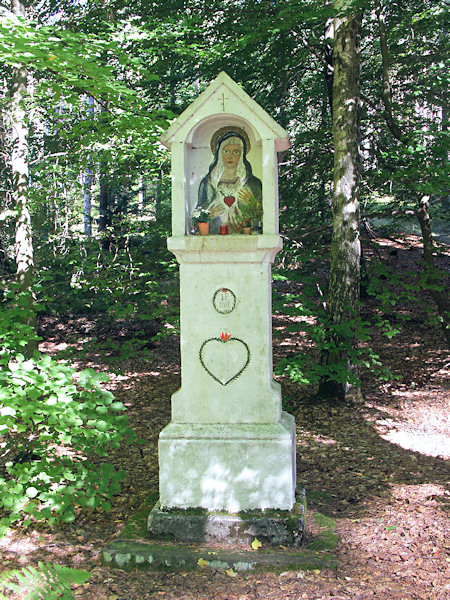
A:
(87, 204)
(422, 212)
(339, 355)
(87, 195)
(431, 279)
(24, 254)
(103, 203)
(387, 91)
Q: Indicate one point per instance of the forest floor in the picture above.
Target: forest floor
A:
(379, 468)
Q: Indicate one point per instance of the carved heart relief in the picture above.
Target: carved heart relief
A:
(223, 360)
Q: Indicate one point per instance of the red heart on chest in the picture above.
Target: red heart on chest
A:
(229, 200)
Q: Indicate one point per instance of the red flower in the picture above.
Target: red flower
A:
(225, 336)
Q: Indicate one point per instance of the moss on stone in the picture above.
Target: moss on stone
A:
(129, 555)
(136, 528)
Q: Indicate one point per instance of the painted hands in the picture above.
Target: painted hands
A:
(215, 211)
(245, 195)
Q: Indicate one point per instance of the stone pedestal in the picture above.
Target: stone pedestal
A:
(229, 382)
(229, 447)
(233, 468)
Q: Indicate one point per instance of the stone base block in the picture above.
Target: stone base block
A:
(271, 528)
(130, 555)
(133, 551)
(232, 468)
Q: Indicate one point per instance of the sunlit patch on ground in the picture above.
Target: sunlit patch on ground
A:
(421, 423)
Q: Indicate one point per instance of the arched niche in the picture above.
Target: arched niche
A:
(223, 103)
(199, 154)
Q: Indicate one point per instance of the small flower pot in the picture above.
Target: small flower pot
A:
(203, 228)
(247, 230)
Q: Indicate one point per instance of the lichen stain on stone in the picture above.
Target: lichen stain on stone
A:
(122, 559)
(243, 566)
(217, 564)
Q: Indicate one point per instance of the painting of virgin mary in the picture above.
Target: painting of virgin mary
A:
(229, 183)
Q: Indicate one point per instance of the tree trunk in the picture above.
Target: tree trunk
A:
(141, 195)
(87, 204)
(387, 92)
(87, 195)
(328, 66)
(103, 203)
(339, 355)
(104, 208)
(422, 212)
(431, 278)
(446, 196)
(19, 165)
(158, 195)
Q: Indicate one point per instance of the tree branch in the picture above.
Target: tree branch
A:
(386, 94)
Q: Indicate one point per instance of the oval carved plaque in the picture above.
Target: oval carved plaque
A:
(224, 301)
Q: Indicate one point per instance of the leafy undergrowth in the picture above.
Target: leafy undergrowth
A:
(378, 469)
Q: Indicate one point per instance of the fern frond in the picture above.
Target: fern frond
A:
(51, 582)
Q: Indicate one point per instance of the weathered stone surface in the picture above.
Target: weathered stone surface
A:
(132, 551)
(229, 446)
(130, 555)
(228, 467)
(269, 527)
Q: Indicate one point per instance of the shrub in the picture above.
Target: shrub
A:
(50, 427)
(314, 319)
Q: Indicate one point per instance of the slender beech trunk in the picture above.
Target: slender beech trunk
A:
(446, 196)
(88, 177)
(104, 218)
(87, 204)
(158, 195)
(103, 202)
(19, 163)
(141, 195)
(5, 266)
(387, 92)
(345, 244)
(431, 280)
(328, 65)
(423, 210)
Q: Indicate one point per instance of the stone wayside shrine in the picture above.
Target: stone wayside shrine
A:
(227, 458)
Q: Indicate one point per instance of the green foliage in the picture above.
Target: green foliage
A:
(50, 582)
(52, 423)
(72, 57)
(283, 58)
(126, 272)
(252, 209)
(396, 293)
(336, 339)
(412, 161)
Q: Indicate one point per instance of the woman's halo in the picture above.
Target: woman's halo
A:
(228, 129)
